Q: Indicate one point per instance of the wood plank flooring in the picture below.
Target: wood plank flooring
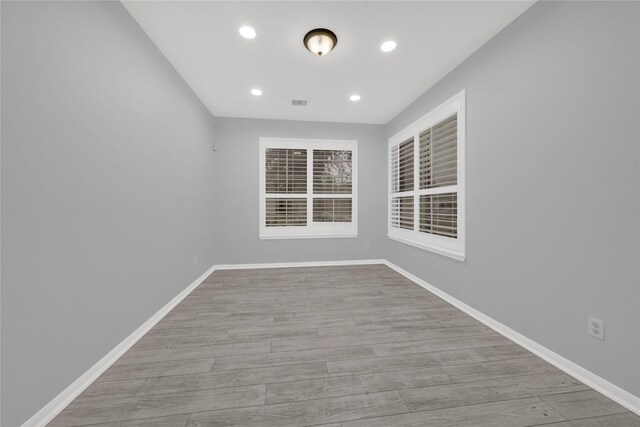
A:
(357, 346)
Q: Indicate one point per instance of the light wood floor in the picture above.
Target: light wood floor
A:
(333, 346)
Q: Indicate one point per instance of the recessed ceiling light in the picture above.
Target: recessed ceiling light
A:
(256, 92)
(320, 41)
(354, 98)
(388, 46)
(247, 32)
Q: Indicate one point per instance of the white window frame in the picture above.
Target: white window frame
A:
(312, 229)
(451, 247)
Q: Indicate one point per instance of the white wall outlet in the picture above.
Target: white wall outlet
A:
(215, 147)
(195, 259)
(596, 328)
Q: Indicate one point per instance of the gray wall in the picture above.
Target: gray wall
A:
(107, 191)
(236, 168)
(553, 220)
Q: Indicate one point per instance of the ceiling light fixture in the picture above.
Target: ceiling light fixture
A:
(388, 46)
(247, 32)
(320, 41)
(354, 98)
(256, 92)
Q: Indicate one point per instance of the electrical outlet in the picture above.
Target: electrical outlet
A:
(596, 328)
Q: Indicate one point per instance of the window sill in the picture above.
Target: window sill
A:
(441, 251)
(309, 236)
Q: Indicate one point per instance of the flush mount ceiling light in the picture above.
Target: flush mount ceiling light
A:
(388, 46)
(247, 32)
(320, 41)
(256, 92)
(354, 98)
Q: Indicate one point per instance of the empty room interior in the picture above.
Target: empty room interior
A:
(320, 213)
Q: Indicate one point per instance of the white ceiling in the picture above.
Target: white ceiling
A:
(201, 40)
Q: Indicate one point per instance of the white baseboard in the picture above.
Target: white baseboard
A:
(299, 264)
(53, 408)
(599, 384)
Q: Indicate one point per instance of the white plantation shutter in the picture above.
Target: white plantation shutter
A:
(426, 191)
(405, 166)
(439, 168)
(286, 212)
(285, 174)
(438, 214)
(425, 159)
(332, 176)
(402, 212)
(332, 172)
(332, 210)
(402, 181)
(394, 166)
(286, 171)
(439, 154)
(307, 188)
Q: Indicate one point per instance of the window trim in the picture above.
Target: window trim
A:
(447, 246)
(313, 230)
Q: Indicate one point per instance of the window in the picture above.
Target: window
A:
(426, 181)
(308, 188)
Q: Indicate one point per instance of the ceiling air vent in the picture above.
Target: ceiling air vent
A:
(299, 102)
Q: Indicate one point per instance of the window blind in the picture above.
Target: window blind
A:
(439, 214)
(405, 166)
(402, 175)
(426, 207)
(332, 172)
(308, 188)
(394, 166)
(439, 168)
(286, 212)
(332, 210)
(402, 212)
(286, 171)
(425, 159)
(439, 154)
